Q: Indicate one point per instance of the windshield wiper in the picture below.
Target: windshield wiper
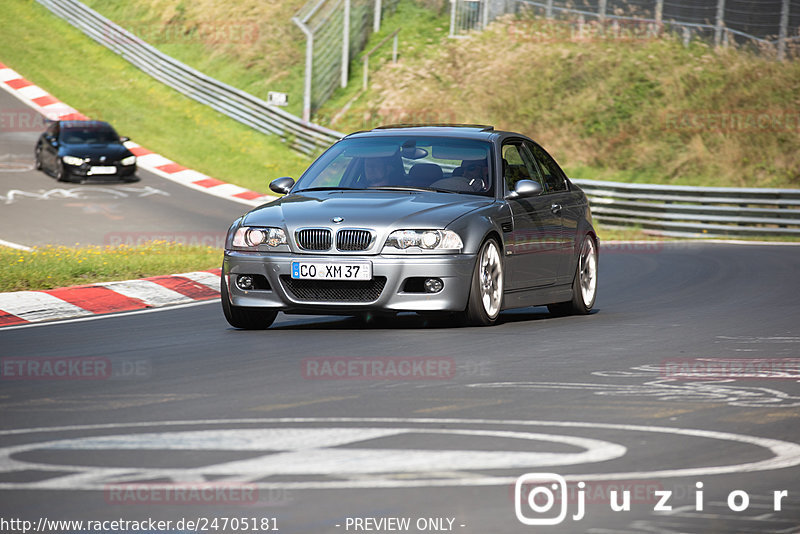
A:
(410, 188)
(329, 188)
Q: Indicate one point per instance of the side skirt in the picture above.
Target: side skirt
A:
(541, 296)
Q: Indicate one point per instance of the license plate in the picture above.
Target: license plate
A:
(102, 170)
(320, 270)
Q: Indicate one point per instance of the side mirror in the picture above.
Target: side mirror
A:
(282, 185)
(124, 139)
(526, 188)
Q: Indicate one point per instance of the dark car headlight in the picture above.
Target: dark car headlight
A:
(438, 240)
(251, 237)
(72, 160)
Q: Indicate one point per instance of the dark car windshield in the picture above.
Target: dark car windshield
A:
(87, 135)
(405, 163)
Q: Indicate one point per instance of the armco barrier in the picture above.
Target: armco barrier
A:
(689, 210)
(239, 105)
(674, 210)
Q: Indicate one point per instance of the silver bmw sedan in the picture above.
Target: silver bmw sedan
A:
(457, 220)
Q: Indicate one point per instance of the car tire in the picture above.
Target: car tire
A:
(584, 284)
(62, 174)
(37, 158)
(486, 291)
(242, 317)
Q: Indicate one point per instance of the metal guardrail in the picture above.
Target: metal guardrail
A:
(303, 136)
(674, 210)
(688, 210)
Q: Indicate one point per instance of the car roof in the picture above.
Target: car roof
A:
(84, 124)
(469, 131)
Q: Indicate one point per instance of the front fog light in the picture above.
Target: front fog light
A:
(244, 282)
(433, 285)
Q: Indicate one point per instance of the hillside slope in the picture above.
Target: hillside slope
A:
(644, 109)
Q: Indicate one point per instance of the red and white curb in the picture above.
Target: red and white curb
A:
(53, 109)
(22, 307)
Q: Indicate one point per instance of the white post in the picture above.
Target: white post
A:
(783, 30)
(309, 67)
(659, 12)
(719, 23)
(346, 44)
(453, 18)
(376, 21)
(548, 10)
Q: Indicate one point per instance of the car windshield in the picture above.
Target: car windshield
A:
(87, 135)
(404, 163)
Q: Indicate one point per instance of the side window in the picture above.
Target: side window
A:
(517, 165)
(52, 129)
(554, 178)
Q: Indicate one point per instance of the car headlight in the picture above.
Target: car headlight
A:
(130, 160)
(425, 240)
(72, 160)
(248, 237)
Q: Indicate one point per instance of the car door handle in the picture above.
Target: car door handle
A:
(556, 208)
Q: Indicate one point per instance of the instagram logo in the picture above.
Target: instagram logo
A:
(541, 492)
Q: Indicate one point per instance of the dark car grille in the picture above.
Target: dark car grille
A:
(334, 290)
(353, 239)
(314, 239)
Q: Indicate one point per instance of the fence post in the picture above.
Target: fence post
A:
(346, 44)
(548, 10)
(719, 22)
(453, 18)
(659, 12)
(376, 21)
(601, 11)
(309, 67)
(783, 30)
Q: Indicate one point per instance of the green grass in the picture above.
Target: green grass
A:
(57, 266)
(250, 44)
(102, 85)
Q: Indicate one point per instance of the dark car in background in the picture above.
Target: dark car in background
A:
(455, 221)
(84, 150)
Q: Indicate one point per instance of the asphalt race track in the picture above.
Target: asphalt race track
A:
(38, 210)
(183, 403)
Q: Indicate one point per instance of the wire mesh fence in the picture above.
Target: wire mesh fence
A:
(335, 31)
(770, 24)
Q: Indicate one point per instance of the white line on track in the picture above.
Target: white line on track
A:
(785, 454)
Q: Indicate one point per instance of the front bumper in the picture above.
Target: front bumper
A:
(455, 271)
(85, 171)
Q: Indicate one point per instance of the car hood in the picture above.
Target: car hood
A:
(379, 210)
(112, 151)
